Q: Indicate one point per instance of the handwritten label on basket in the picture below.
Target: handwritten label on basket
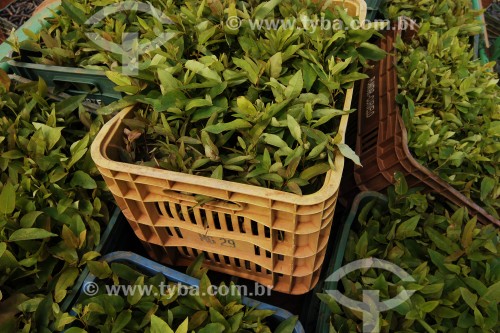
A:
(94, 101)
(370, 98)
(218, 240)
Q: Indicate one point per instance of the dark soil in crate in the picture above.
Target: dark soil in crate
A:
(13, 15)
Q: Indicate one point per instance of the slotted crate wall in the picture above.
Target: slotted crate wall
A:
(382, 142)
(276, 238)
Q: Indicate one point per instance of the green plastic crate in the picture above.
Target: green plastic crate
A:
(373, 7)
(322, 317)
(71, 80)
(479, 47)
(74, 81)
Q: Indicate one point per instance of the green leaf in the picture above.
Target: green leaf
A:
(196, 269)
(314, 171)
(347, 152)
(197, 319)
(183, 328)
(469, 297)
(235, 321)
(245, 107)
(487, 185)
(407, 228)
(76, 156)
(340, 66)
(351, 77)
(74, 12)
(438, 260)
(3, 247)
(251, 69)
(276, 141)
(478, 317)
(231, 126)
(29, 219)
(197, 103)
(7, 199)
(70, 104)
(75, 330)
(30, 305)
(294, 128)
(264, 8)
(121, 321)
(429, 306)
(310, 75)
(212, 328)
(202, 70)
(217, 317)
(287, 325)
(4, 80)
(445, 312)
(371, 51)
(441, 241)
(468, 233)
(65, 280)
(13, 154)
(401, 187)
(255, 315)
(159, 326)
(275, 63)
(100, 269)
(29, 234)
(81, 179)
(330, 302)
(492, 295)
(317, 150)
(362, 245)
(295, 86)
(119, 78)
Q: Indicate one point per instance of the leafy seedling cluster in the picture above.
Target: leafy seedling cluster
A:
(450, 102)
(453, 260)
(166, 307)
(53, 203)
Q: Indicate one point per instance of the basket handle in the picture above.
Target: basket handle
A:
(181, 198)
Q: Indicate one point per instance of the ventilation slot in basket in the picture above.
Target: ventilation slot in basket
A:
(216, 221)
(229, 223)
(178, 232)
(241, 224)
(370, 139)
(165, 209)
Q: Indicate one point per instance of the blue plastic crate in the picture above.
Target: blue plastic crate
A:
(151, 268)
(112, 238)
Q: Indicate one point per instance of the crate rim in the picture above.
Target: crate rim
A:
(329, 188)
(456, 196)
(54, 68)
(337, 257)
(106, 236)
